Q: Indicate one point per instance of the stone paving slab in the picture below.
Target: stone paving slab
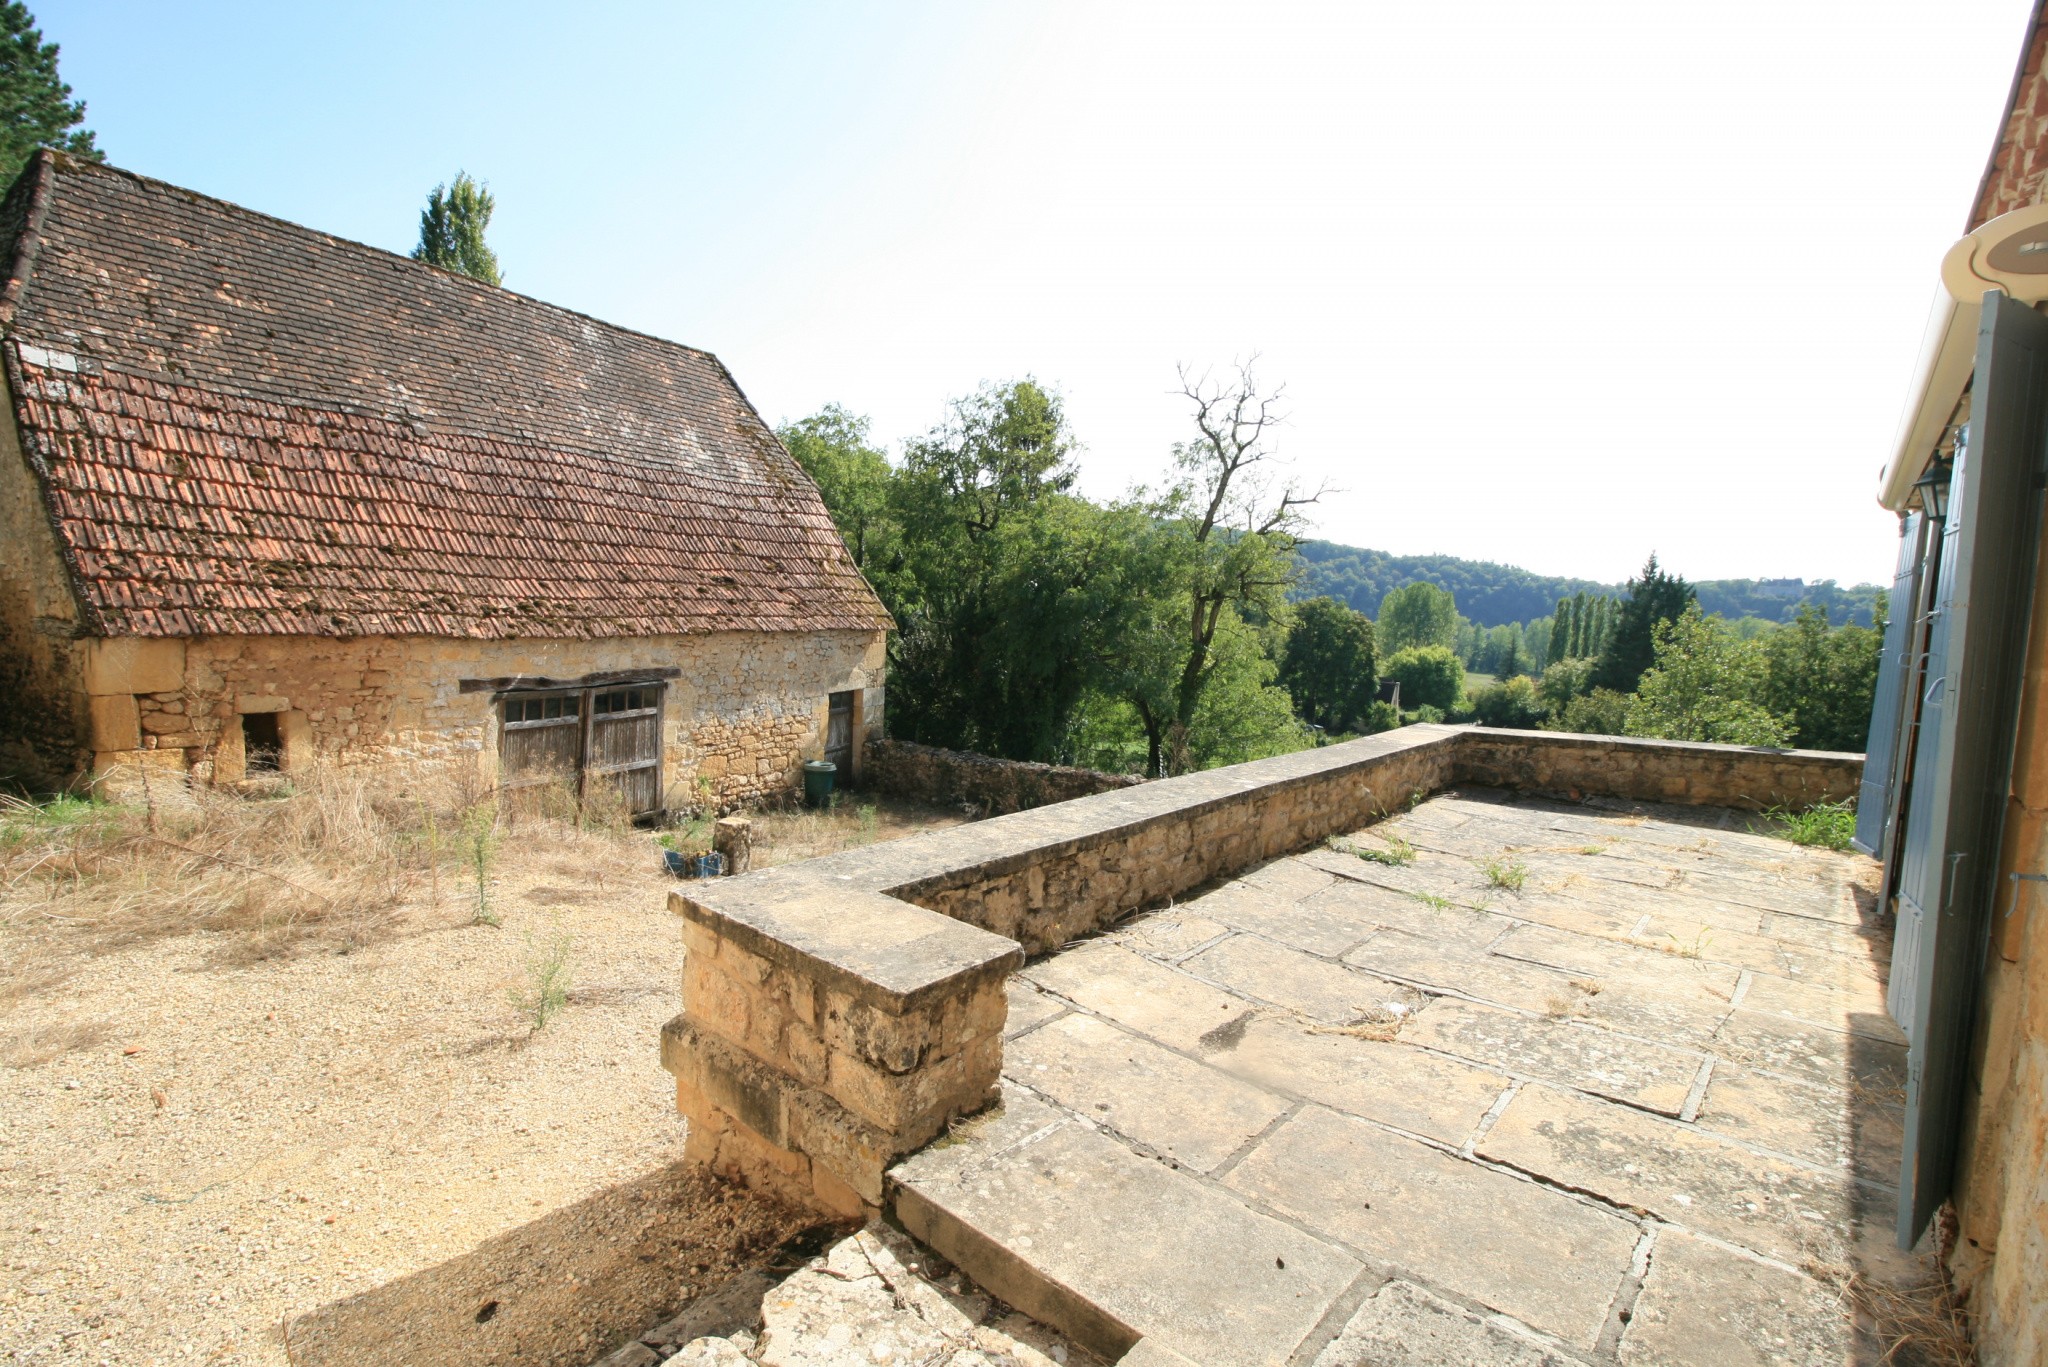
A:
(1383, 908)
(1320, 923)
(1402, 1323)
(1549, 1259)
(1778, 1208)
(1141, 1090)
(1171, 936)
(1287, 978)
(1029, 1007)
(1561, 1051)
(1663, 1016)
(1675, 977)
(1044, 1212)
(1851, 1013)
(1704, 1306)
(1150, 998)
(1832, 1059)
(1806, 1122)
(1415, 1091)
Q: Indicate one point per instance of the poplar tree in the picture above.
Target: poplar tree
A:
(36, 108)
(1560, 631)
(452, 230)
(1654, 598)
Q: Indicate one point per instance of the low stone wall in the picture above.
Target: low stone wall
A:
(997, 786)
(840, 1013)
(1750, 778)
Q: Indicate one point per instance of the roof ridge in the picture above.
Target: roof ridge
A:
(28, 241)
(70, 165)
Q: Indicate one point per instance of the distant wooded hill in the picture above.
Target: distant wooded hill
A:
(1495, 595)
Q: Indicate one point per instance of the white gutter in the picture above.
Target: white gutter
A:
(2010, 253)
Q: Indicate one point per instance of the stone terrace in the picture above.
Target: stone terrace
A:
(1644, 1106)
(1502, 1078)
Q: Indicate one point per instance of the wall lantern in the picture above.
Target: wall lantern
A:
(1933, 487)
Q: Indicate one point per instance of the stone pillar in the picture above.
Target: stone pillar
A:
(821, 1040)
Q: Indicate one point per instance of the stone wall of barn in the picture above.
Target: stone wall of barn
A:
(745, 710)
(42, 708)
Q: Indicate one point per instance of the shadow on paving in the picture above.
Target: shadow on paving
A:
(566, 1288)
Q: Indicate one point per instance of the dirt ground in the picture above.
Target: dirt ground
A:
(361, 1152)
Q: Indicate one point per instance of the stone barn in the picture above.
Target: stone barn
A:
(268, 497)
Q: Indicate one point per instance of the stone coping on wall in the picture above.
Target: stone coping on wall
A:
(866, 985)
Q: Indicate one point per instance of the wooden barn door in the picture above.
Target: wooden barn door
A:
(625, 746)
(584, 743)
(839, 738)
(540, 745)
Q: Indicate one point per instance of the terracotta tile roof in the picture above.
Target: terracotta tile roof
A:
(246, 427)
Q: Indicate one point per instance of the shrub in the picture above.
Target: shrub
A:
(1511, 704)
(1431, 676)
(1602, 712)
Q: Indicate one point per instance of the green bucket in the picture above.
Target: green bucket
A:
(819, 776)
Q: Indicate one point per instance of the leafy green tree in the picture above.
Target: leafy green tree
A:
(36, 108)
(1005, 589)
(1327, 667)
(1564, 680)
(1702, 685)
(1561, 631)
(1430, 676)
(1601, 712)
(1508, 659)
(853, 477)
(452, 230)
(1418, 614)
(1653, 598)
(1823, 678)
(1242, 715)
(1513, 703)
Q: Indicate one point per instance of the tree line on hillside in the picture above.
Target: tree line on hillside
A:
(1162, 632)
(1494, 595)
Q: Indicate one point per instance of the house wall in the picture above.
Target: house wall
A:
(2001, 1253)
(42, 703)
(745, 712)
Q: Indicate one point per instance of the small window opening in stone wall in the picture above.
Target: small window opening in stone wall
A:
(262, 744)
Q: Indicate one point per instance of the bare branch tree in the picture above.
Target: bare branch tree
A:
(1241, 531)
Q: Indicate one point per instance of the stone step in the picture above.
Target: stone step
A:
(1111, 1248)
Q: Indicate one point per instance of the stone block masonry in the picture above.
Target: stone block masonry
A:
(842, 1012)
(744, 712)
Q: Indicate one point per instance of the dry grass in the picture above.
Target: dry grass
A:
(339, 858)
(786, 835)
(1919, 1323)
(34, 1045)
(333, 858)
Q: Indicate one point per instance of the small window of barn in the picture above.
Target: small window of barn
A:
(262, 745)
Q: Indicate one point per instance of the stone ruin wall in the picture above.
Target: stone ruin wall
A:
(747, 709)
(994, 787)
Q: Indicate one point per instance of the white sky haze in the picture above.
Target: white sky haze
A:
(1554, 285)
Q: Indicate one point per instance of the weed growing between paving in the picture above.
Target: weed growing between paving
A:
(1825, 825)
(1432, 901)
(1397, 852)
(1506, 874)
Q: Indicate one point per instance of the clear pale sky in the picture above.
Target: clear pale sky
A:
(1550, 284)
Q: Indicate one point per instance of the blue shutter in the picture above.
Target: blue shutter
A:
(1962, 749)
(1894, 675)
